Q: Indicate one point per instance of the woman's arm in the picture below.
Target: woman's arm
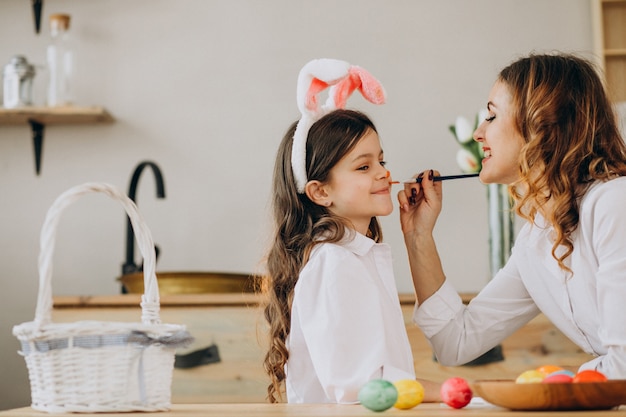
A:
(420, 205)
(457, 333)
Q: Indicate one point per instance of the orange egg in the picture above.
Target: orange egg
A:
(589, 376)
(548, 369)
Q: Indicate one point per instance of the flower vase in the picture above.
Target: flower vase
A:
(501, 237)
(501, 221)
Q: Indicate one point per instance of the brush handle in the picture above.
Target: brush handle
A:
(442, 178)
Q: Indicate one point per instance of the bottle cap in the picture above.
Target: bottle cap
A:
(59, 21)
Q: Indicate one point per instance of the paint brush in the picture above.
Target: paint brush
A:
(438, 178)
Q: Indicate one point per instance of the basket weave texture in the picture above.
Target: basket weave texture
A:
(94, 366)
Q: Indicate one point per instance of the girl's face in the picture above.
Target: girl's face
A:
(502, 142)
(358, 187)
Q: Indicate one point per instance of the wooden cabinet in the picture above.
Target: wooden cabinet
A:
(235, 323)
(609, 23)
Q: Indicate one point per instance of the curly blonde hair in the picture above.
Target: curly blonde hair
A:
(572, 139)
(300, 224)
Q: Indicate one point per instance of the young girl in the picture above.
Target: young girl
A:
(334, 315)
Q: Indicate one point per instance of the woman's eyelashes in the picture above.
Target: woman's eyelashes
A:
(490, 118)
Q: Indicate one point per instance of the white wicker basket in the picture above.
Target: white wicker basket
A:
(93, 366)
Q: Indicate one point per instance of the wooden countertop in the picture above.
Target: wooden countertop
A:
(324, 410)
(178, 300)
(225, 299)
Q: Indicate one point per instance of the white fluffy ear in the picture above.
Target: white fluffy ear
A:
(314, 77)
(324, 70)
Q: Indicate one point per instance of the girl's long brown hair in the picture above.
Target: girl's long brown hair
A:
(572, 139)
(300, 224)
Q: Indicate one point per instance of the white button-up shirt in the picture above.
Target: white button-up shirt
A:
(589, 307)
(346, 324)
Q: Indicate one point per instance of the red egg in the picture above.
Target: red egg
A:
(589, 376)
(456, 392)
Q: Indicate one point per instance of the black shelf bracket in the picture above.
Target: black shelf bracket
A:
(37, 130)
(37, 7)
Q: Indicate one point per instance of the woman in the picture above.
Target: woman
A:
(551, 135)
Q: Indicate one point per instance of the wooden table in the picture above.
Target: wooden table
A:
(324, 410)
(235, 323)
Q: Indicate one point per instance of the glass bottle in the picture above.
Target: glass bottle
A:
(60, 58)
(18, 82)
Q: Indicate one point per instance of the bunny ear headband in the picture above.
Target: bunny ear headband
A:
(315, 77)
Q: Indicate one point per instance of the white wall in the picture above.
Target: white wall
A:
(206, 89)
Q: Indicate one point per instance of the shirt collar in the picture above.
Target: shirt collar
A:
(357, 243)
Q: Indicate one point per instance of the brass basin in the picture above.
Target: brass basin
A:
(191, 282)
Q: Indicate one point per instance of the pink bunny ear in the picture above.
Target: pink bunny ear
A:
(316, 87)
(358, 78)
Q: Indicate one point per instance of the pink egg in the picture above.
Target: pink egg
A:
(557, 378)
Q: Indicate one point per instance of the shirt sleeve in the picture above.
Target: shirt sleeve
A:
(609, 243)
(459, 333)
(342, 323)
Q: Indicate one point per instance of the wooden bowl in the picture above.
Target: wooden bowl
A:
(561, 396)
(191, 282)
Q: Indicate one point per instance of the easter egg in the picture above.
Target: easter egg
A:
(589, 376)
(456, 392)
(563, 372)
(378, 395)
(557, 378)
(528, 377)
(410, 393)
(548, 369)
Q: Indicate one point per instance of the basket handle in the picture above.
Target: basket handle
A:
(150, 298)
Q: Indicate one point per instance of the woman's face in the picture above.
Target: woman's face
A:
(502, 142)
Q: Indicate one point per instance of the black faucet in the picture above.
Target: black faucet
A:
(130, 267)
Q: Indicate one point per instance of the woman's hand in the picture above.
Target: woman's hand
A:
(420, 204)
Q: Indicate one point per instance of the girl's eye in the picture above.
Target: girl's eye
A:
(363, 168)
(383, 163)
(490, 118)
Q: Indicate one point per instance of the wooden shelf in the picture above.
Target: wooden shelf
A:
(609, 21)
(55, 115)
(615, 52)
(39, 117)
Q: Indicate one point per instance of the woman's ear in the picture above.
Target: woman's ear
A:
(317, 193)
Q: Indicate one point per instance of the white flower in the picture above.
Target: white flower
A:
(482, 115)
(463, 129)
(467, 161)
